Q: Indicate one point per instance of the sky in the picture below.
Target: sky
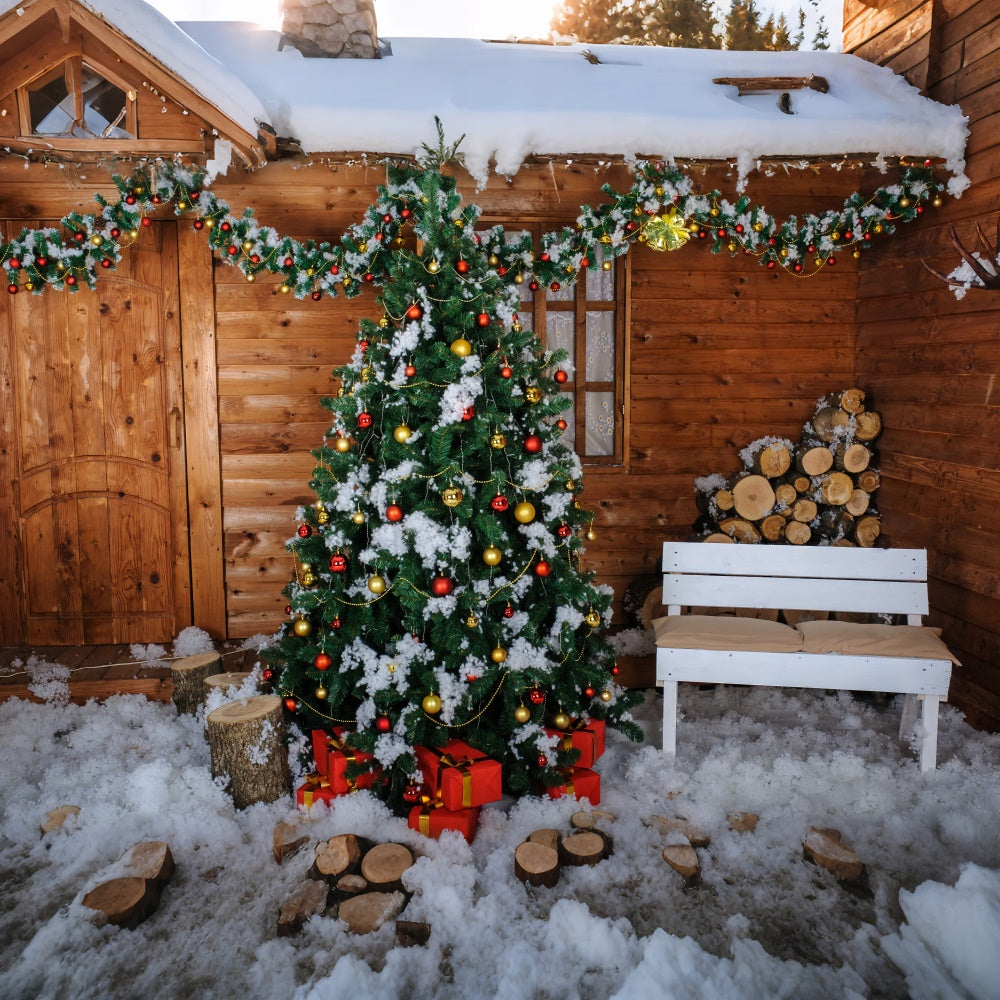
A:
(473, 18)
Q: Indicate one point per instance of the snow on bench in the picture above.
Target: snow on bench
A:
(905, 659)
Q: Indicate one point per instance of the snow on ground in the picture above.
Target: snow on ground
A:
(923, 922)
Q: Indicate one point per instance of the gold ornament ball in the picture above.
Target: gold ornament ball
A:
(937, 201)
(322, 517)
(308, 579)
(605, 695)
(402, 434)
(532, 394)
(904, 202)
(524, 512)
(606, 265)
(431, 704)
(434, 267)
(342, 444)
(522, 714)
(492, 556)
(560, 720)
(451, 496)
(461, 347)
(357, 517)
(383, 323)
(376, 584)
(590, 535)
(321, 693)
(472, 621)
(498, 655)
(302, 627)
(498, 441)
(570, 485)
(592, 618)
(518, 279)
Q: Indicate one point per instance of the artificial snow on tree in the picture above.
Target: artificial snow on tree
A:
(439, 593)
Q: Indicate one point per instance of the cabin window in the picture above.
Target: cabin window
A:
(74, 100)
(587, 320)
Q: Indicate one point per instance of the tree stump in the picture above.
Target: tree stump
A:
(368, 912)
(547, 837)
(124, 902)
(384, 864)
(223, 681)
(536, 864)
(188, 675)
(150, 860)
(584, 848)
(247, 743)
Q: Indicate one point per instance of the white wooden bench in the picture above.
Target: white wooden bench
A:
(903, 659)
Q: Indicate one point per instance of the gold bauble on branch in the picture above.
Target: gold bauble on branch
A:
(402, 434)
(321, 693)
(309, 579)
(522, 714)
(524, 512)
(472, 621)
(342, 444)
(592, 618)
(561, 720)
(358, 517)
(498, 655)
(461, 347)
(302, 627)
(451, 496)
(590, 535)
(492, 556)
(498, 441)
(376, 584)
(606, 695)
(533, 394)
(431, 704)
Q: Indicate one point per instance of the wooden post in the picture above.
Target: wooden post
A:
(188, 675)
(247, 743)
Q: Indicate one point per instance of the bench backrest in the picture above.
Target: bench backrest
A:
(803, 578)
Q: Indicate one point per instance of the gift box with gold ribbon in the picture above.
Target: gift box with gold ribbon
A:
(587, 736)
(334, 756)
(581, 783)
(315, 789)
(459, 775)
(431, 819)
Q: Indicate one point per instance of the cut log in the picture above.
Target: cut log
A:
(835, 523)
(643, 600)
(287, 840)
(858, 503)
(412, 933)
(852, 458)
(802, 482)
(584, 819)
(867, 529)
(351, 884)
(336, 857)
(546, 837)
(717, 537)
(772, 528)
(537, 864)
(851, 400)
(743, 822)
(869, 480)
(797, 533)
(740, 530)
(804, 510)
(824, 847)
(55, 819)
(151, 860)
(770, 460)
(868, 426)
(124, 902)
(247, 743)
(836, 488)
(384, 864)
(584, 848)
(812, 460)
(368, 912)
(224, 681)
(829, 423)
(753, 496)
(724, 500)
(785, 494)
(307, 901)
(683, 859)
(683, 827)
(188, 676)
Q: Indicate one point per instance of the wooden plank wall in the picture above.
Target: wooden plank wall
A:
(932, 363)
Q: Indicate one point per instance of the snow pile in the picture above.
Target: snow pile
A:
(923, 920)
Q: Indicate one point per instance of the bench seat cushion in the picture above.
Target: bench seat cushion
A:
(916, 641)
(723, 632)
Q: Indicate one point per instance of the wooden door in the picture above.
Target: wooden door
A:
(92, 443)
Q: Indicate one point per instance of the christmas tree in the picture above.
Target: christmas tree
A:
(439, 590)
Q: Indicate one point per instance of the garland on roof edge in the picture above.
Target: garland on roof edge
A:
(661, 209)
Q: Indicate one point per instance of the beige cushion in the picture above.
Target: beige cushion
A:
(918, 641)
(723, 632)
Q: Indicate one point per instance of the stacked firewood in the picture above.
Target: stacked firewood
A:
(816, 492)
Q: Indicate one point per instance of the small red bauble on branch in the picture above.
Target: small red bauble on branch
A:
(409, 371)
(468, 413)
(338, 563)
(411, 793)
(414, 312)
(483, 319)
(533, 444)
(542, 760)
(291, 704)
(364, 420)
(536, 696)
(499, 503)
(304, 531)
(508, 612)
(442, 586)
(323, 661)
(462, 267)
(564, 531)
(561, 424)
(506, 371)
(543, 568)
(561, 376)
(336, 623)
(394, 512)
(383, 724)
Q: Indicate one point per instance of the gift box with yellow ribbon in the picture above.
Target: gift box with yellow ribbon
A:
(581, 783)
(431, 819)
(587, 736)
(315, 789)
(459, 775)
(334, 757)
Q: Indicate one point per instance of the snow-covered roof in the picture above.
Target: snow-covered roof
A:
(514, 100)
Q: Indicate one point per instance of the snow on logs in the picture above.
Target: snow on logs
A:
(540, 858)
(816, 492)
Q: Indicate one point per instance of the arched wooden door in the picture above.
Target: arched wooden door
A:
(92, 440)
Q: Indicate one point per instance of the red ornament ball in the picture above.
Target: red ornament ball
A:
(561, 424)
(533, 285)
(382, 724)
(506, 371)
(323, 661)
(267, 675)
(71, 280)
(405, 213)
(12, 288)
(410, 371)
(304, 531)
(588, 692)
(336, 623)
(542, 760)
(468, 413)
(561, 376)
(334, 269)
(536, 696)
(442, 586)
(616, 670)
(288, 262)
(483, 319)
(508, 612)
(394, 512)
(564, 531)
(225, 227)
(831, 261)
(543, 567)
(14, 263)
(411, 793)
(555, 286)
(533, 444)
(471, 678)
(499, 503)
(364, 420)
(291, 704)
(106, 262)
(462, 267)
(338, 563)
(363, 344)
(317, 295)
(771, 265)
(145, 221)
(414, 312)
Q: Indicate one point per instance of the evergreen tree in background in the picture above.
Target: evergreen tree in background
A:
(439, 590)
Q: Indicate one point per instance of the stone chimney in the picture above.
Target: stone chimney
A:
(332, 29)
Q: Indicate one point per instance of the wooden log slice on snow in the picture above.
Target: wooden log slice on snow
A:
(770, 460)
(683, 859)
(586, 847)
(152, 860)
(836, 488)
(851, 458)
(824, 846)
(869, 480)
(785, 494)
(772, 528)
(369, 911)
(247, 743)
(857, 503)
(867, 529)
(828, 423)
(336, 857)
(676, 826)
(225, 681)
(351, 884)
(188, 676)
(797, 533)
(804, 510)
(739, 529)
(384, 864)
(812, 460)
(537, 864)
(56, 818)
(754, 497)
(124, 902)
(868, 426)
(546, 837)
(308, 900)
(287, 840)
(743, 822)
(410, 933)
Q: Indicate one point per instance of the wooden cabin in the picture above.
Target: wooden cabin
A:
(155, 432)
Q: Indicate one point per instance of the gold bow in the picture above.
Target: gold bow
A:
(666, 232)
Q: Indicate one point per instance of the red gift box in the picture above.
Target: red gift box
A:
(432, 819)
(587, 737)
(333, 756)
(460, 775)
(582, 783)
(316, 789)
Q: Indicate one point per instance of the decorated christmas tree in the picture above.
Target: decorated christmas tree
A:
(439, 591)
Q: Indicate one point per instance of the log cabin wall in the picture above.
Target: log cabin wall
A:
(931, 360)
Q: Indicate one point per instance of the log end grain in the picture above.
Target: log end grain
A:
(150, 860)
(537, 864)
(307, 901)
(587, 847)
(368, 912)
(383, 866)
(56, 819)
(124, 902)
(683, 859)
